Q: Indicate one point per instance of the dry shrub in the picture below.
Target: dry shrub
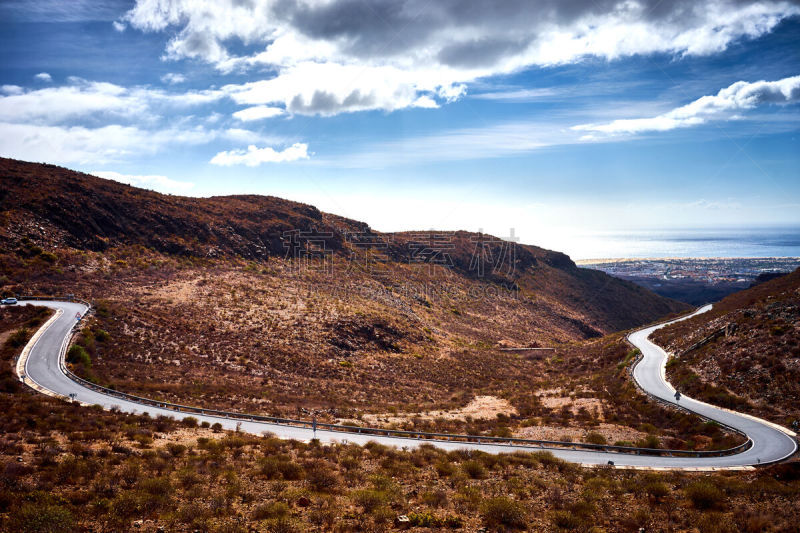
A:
(503, 512)
(704, 494)
(321, 477)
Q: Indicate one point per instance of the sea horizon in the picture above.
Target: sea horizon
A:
(695, 243)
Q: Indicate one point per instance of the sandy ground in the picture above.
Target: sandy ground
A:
(611, 432)
(575, 404)
(480, 408)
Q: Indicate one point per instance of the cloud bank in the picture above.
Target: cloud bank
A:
(253, 156)
(82, 98)
(97, 122)
(336, 56)
(739, 96)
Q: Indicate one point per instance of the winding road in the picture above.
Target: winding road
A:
(41, 367)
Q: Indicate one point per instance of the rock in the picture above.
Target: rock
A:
(138, 523)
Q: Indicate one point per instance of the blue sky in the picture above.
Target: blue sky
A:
(557, 119)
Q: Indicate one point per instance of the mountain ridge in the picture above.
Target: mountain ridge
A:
(58, 209)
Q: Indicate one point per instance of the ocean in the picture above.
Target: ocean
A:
(724, 242)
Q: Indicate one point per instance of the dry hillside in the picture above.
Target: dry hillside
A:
(756, 366)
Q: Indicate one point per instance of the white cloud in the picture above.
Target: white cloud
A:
(84, 98)
(253, 156)
(346, 88)
(172, 78)
(43, 76)
(154, 182)
(12, 89)
(119, 26)
(339, 56)
(739, 96)
(96, 122)
(82, 145)
(257, 113)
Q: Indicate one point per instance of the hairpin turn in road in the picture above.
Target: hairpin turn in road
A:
(41, 366)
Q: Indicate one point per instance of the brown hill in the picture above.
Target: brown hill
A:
(200, 292)
(753, 361)
(58, 208)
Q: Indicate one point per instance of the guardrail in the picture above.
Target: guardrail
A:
(57, 298)
(403, 434)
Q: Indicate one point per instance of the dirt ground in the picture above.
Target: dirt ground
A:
(480, 408)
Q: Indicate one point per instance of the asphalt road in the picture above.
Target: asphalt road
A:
(770, 442)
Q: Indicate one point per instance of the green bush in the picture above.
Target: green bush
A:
(321, 477)
(42, 518)
(504, 512)
(595, 438)
(474, 469)
(78, 355)
(436, 498)
(159, 486)
(282, 525)
(704, 495)
(49, 257)
(280, 467)
(656, 490)
(566, 520)
(189, 422)
(270, 510)
(123, 508)
(18, 338)
(175, 449)
(650, 441)
(445, 468)
(369, 499)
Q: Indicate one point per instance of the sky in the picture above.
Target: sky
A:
(555, 118)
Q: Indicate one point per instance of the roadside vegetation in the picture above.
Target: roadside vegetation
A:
(69, 468)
